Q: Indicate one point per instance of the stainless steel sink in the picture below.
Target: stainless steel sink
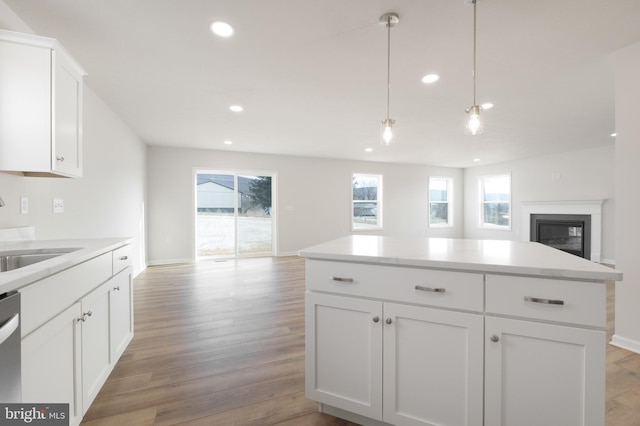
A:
(10, 260)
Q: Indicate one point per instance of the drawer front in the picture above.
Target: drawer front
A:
(573, 302)
(121, 258)
(44, 299)
(446, 289)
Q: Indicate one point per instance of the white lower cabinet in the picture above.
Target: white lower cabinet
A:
(69, 357)
(96, 351)
(410, 346)
(51, 371)
(344, 353)
(430, 361)
(542, 374)
(121, 308)
(432, 366)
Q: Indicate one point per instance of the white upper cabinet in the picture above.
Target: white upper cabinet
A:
(40, 107)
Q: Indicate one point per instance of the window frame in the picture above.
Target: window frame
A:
(449, 202)
(358, 227)
(483, 224)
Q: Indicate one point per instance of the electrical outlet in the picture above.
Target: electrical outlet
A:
(24, 205)
(58, 205)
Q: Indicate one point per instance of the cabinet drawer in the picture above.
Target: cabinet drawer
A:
(455, 290)
(574, 302)
(121, 258)
(44, 299)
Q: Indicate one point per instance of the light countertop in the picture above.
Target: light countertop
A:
(87, 249)
(483, 256)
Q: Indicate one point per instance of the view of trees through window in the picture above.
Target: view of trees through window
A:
(233, 214)
(366, 200)
(439, 201)
(495, 194)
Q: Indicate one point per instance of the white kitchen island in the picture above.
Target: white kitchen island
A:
(434, 331)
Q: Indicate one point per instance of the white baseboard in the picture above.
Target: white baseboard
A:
(291, 253)
(625, 343)
(611, 262)
(168, 262)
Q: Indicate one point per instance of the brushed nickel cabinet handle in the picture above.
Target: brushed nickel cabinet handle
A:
(431, 289)
(342, 279)
(124, 258)
(389, 321)
(494, 338)
(543, 301)
(376, 319)
(60, 159)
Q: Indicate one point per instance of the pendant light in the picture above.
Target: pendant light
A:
(474, 125)
(388, 20)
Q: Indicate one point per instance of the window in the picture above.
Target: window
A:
(440, 196)
(495, 202)
(366, 199)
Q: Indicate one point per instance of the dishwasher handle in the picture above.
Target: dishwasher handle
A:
(9, 327)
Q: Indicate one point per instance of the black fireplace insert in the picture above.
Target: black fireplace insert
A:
(569, 233)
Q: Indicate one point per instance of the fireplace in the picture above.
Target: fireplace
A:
(591, 208)
(566, 232)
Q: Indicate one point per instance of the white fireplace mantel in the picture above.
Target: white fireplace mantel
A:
(586, 207)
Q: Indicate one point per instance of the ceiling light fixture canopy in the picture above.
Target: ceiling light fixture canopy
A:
(474, 124)
(388, 20)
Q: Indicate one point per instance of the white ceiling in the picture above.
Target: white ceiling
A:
(311, 74)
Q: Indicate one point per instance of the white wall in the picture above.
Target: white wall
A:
(313, 198)
(627, 321)
(108, 201)
(578, 175)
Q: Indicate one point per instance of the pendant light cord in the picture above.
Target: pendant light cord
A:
(388, 63)
(474, 52)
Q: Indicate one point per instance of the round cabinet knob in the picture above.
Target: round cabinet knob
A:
(376, 319)
(494, 338)
(388, 321)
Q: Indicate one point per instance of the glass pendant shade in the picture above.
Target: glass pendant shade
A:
(474, 124)
(387, 133)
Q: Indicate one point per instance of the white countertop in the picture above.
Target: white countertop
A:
(88, 248)
(485, 256)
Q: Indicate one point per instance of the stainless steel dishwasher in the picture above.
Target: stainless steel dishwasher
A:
(10, 387)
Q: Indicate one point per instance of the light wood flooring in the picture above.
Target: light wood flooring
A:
(222, 343)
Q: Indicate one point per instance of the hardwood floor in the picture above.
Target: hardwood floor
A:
(222, 343)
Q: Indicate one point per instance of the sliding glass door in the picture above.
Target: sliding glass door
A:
(234, 214)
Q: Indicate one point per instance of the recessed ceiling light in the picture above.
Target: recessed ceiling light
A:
(368, 150)
(487, 105)
(228, 142)
(221, 29)
(475, 160)
(430, 78)
(614, 134)
(236, 108)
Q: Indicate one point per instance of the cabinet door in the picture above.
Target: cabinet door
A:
(67, 131)
(433, 366)
(51, 363)
(543, 374)
(96, 353)
(121, 294)
(25, 106)
(344, 353)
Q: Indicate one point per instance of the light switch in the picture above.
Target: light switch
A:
(58, 205)
(24, 205)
